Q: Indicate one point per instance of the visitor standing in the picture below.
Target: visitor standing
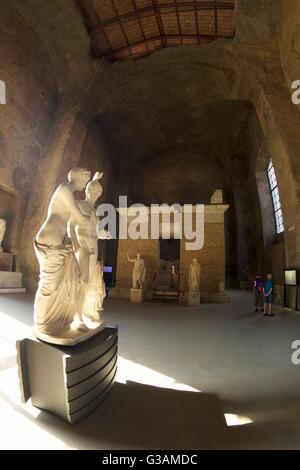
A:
(258, 293)
(268, 292)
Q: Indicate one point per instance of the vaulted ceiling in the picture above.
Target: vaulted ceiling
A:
(128, 29)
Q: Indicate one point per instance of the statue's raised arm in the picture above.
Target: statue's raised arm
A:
(130, 259)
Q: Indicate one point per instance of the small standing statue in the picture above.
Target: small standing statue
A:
(138, 272)
(194, 283)
(85, 243)
(138, 278)
(2, 232)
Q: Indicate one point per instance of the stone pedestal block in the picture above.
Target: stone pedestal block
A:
(136, 295)
(69, 381)
(193, 299)
(6, 261)
(10, 282)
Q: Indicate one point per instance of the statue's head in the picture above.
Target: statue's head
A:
(138, 255)
(94, 189)
(79, 177)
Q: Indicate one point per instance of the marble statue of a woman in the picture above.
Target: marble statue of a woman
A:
(85, 242)
(194, 276)
(2, 232)
(56, 300)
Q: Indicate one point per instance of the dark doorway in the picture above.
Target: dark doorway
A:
(167, 278)
(169, 250)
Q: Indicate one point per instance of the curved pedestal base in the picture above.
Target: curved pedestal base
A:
(76, 336)
(68, 381)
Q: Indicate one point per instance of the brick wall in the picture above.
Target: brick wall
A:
(211, 257)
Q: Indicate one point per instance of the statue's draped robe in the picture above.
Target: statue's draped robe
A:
(93, 302)
(56, 298)
(139, 273)
(194, 276)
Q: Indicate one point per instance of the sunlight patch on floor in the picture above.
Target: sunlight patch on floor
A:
(134, 372)
(236, 420)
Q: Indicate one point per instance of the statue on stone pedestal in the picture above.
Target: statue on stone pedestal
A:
(2, 232)
(194, 277)
(56, 302)
(138, 272)
(85, 243)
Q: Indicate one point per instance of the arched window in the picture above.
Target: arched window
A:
(275, 197)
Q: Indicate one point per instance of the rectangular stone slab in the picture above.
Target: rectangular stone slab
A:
(68, 381)
(12, 290)
(10, 280)
(6, 261)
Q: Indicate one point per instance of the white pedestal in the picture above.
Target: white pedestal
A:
(193, 298)
(136, 295)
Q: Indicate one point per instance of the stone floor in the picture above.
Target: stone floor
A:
(213, 376)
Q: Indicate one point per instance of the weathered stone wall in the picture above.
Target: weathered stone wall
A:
(211, 257)
(277, 256)
(25, 119)
(180, 175)
(289, 39)
(41, 131)
(96, 155)
(277, 260)
(253, 204)
(194, 110)
(204, 134)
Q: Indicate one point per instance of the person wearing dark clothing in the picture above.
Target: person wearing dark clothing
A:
(258, 293)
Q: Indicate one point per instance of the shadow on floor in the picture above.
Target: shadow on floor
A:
(142, 416)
